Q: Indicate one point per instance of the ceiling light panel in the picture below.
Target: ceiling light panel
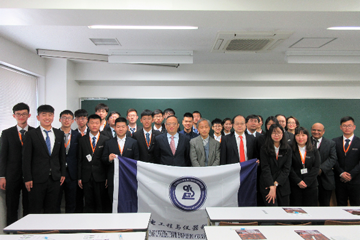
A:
(312, 42)
(105, 41)
(138, 27)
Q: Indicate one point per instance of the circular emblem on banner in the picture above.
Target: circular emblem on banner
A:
(187, 193)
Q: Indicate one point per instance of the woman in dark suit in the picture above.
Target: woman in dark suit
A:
(275, 157)
(304, 170)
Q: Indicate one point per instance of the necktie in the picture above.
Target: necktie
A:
(114, 133)
(66, 142)
(22, 132)
(94, 142)
(47, 140)
(315, 141)
(172, 145)
(132, 130)
(147, 138)
(347, 143)
(242, 152)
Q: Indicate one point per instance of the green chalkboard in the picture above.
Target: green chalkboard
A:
(307, 111)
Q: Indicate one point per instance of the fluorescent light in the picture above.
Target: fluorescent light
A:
(323, 57)
(152, 57)
(138, 27)
(72, 55)
(344, 28)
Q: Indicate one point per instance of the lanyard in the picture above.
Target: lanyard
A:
(345, 151)
(121, 150)
(20, 138)
(68, 142)
(93, 148)
(302, 158)
(148, 143)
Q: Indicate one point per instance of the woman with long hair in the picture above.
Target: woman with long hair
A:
(275, 157)
(304, 170)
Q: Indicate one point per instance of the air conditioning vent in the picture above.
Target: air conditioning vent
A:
(105, 41)
(237, 42)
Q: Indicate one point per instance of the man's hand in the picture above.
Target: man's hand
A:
(80, 184)
(3, 183)
(29, 185)
(112, 156)
(62, 179)
(302, 184)
(345, 177)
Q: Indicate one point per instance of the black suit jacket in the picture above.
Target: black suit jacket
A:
(164, 155)
(95, 167)
(11, 154)
(328, 159)
(146, 154)
(131, 150)
(275, 170)
(289, 137)
(312, 163)
(72, 156)
(107, 131)
(37, 163)
(229, 150)
(349, 163)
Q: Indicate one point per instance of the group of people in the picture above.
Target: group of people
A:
(294, 167)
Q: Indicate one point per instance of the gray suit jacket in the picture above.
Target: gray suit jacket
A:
(197, 152)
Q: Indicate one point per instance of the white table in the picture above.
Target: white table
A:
(274, 214)
(80, 222)
(284, 232)
(79, 236)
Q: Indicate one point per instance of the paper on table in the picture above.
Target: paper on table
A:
(295, 210)
(250, 234)
(96, 237)
(311, 235)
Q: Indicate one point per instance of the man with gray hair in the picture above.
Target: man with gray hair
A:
(204, 150)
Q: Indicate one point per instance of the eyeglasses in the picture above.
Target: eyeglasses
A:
(277, 134)
(347, 126)
(132, 115)
(66, 118)
(81, 118)
(291, 123)
(171, 124)
(21, 114)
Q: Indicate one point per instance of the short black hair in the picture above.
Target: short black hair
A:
(197, 112)
(147, 112)
(187, 114)
(45, 109)
(262, 119)
(171, 117)
(66, 112)
(130, 110)
(217, 121)
(81, 113)
(101, 106)
(227, 119)
(121, 119)
(94, 116)
(112, 113)
(277, 115)
(21, 106)
(271, 118)
(169, 110)
(345, 119)
(239, 115)
(158, 111)
(252, 116)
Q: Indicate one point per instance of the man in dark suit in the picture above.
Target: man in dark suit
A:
(44, 163)
(91, 170)
(158, 121)
(187, 122)
(217, 127)
(109, 129)
(71, 139)
(328, 158)
(81, 116)
(252, 123)
(347, 166)
(132, 117)
(145, 137)
(172, 148)
(11, 163)
(238, 146)
(122, 145)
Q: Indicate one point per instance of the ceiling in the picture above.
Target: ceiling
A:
(66, 29)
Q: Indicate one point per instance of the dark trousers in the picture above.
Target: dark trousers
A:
(94, 193)
(324, 195)
(43, 197)
(13, 191)
(69, 188)
(279, 201)
(303, 197)
(345, 192)
(79, 200)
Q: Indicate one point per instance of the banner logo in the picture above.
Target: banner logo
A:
(187, 193)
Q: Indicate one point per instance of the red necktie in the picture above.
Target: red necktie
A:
(242, 152)
(172, 145)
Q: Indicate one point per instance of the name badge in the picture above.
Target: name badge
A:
(354, 149)
(89, 157)
(280, 155)
(303, 171)
(307, 157)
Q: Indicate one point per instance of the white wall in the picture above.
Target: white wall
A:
(72, 87)
(219, 81)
